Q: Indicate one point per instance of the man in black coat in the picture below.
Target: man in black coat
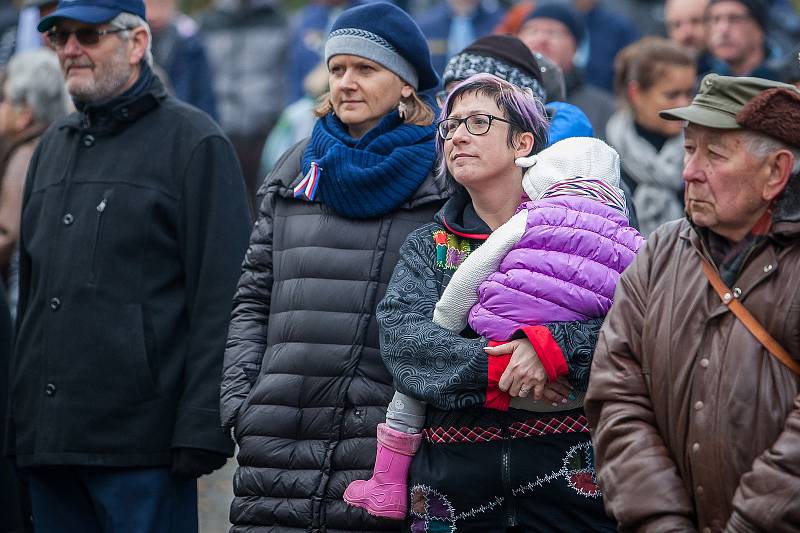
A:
(134, 224)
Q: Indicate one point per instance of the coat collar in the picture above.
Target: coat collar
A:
(117, 114)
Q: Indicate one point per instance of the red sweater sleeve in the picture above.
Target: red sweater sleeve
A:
(495, 398)
(554, 362)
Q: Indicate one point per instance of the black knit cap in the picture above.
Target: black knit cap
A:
(502, 55)
(758, 9)
(566, 15)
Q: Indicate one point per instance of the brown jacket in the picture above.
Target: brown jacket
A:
(696, 425)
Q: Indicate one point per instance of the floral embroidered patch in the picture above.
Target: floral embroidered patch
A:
(431, 512)
(450, 250)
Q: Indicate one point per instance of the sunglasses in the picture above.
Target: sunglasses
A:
(85, 36)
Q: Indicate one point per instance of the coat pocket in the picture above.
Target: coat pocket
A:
(139, 360)
(98, 233)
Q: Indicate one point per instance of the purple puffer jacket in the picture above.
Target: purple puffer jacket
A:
(565, 267)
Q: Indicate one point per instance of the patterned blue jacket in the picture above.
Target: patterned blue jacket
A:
(446, 369)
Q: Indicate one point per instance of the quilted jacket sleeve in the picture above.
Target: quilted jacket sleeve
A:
(427, 361)
(247, 332)
(631, 457)
(768, 497)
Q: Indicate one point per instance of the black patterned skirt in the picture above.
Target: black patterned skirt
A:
(535, 474)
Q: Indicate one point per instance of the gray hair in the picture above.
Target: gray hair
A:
(762, 145)
(129, 21)
(33, 78)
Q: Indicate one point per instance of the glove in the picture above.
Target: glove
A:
(191, 463)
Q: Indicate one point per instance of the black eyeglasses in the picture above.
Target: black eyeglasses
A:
(477, 124)
(85, 36)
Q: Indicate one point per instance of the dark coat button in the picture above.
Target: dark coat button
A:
(50, 389)
(55, 303)
(68, 219)
(88, 140)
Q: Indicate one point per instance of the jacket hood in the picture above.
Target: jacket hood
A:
(459, 217)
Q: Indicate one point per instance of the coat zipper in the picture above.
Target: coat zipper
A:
(101, 208)
(511, 510)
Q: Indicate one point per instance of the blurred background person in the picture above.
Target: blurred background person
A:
(737, 38)
(556, 31)
(31, 11)
(33, 97)
(297, 120)
(308, 31)
(179, 50)
(647, 16)
(790, 71)
(451, 25)
(246, 41)
(652, 75)
(685, 22)
(14, 505)
(500, 55)
(609, 32)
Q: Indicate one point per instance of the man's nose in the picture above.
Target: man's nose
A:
(692, 169)
(72, 47)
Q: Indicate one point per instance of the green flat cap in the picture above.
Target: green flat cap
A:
(719, 99)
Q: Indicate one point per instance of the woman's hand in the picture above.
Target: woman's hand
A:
(559, 391)
(525, 373)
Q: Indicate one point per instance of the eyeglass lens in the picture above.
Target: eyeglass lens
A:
(85, 36)
(476, 125)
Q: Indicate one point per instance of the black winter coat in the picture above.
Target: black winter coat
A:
(304, 383)
(134, 223)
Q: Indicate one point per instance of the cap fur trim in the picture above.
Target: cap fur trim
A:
(774, 112)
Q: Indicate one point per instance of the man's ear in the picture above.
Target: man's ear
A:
(780, 171)
(524, 144)
(138, 43)
(406, 91)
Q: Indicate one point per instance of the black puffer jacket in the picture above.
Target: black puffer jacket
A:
(304, 383)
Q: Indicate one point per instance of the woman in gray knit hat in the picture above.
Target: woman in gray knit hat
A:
(304, 385)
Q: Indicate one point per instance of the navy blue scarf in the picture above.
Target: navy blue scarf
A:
(373, 175)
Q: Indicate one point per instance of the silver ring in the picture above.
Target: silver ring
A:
(524, 389)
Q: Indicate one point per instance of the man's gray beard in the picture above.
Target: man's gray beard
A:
(107, 85)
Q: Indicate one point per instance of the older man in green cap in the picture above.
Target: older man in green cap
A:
(694, 404)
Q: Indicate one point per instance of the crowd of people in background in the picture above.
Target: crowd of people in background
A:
(251, 65)
(339, 136)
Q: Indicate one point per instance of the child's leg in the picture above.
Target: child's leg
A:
(405, 414)
(385, 494)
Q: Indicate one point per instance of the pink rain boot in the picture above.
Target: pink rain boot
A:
(386, 494)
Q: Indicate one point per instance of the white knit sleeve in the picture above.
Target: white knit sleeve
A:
(461, 293)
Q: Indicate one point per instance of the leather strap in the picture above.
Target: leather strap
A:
(731, 300)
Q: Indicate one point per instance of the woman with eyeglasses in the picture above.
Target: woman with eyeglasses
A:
(303, 382)
(503, 444)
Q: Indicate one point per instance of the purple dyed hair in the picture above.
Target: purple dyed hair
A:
(520, 106)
